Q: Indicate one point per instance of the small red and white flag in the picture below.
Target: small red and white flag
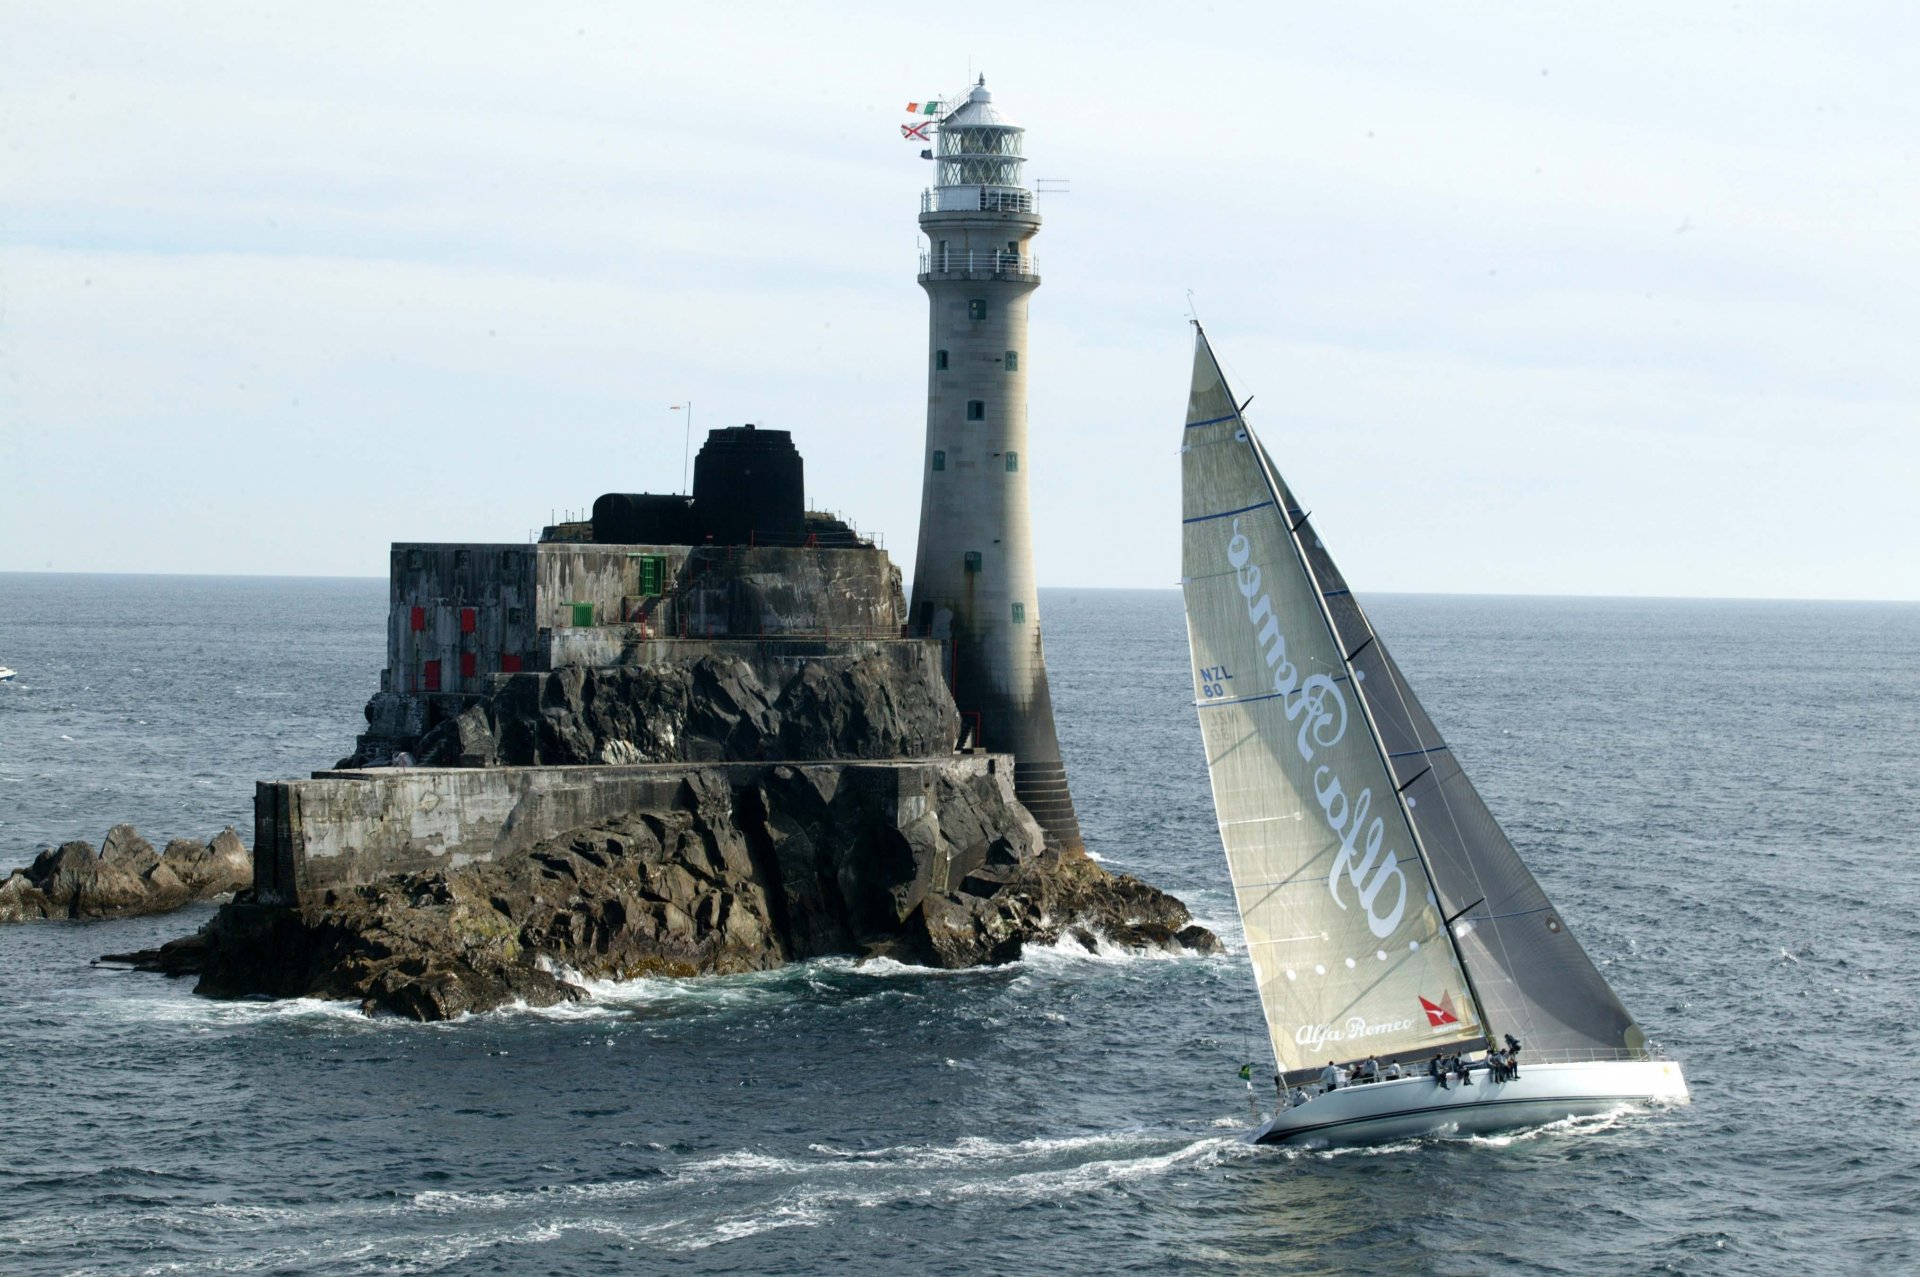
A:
(1439, 1013)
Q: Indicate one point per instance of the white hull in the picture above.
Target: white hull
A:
(1408, 1108)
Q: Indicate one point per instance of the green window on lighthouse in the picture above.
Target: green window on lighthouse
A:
(1013, 462)
(977, 308)
(972, 560)
(1019, 613)
(1013, 361)
(940, 361)
(976, 410)
(939, 460)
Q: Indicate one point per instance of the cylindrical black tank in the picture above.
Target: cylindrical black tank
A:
(749, 485)
(641, 518)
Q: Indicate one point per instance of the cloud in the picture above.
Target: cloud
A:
(1607, 302)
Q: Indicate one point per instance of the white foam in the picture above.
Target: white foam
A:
(801, 1212)
(972, 1151)
(1591, 1124)
(189, 1009)
(1068, 950)
(877, 1178)
(442, 1230)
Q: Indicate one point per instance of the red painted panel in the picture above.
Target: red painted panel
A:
(509, 663)
(430, 675)
(419, 618)
(467, 664)
(467, 619)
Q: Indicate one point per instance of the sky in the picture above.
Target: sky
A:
(1607, 299)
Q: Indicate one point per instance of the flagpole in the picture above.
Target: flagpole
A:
(686, 454)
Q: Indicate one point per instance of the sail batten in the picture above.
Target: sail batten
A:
(1227, 514)
(1340, 742)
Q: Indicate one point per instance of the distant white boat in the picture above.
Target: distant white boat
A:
(1388, 919)
(6, 675)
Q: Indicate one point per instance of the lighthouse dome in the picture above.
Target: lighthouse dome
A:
(980, 151)
(979, 111)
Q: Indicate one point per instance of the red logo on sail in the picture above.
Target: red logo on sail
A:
(1439, 1013)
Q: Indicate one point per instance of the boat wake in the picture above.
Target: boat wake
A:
(687, 1206)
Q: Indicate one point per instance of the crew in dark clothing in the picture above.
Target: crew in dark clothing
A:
(1513, 1056)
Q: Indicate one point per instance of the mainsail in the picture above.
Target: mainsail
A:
(1386, 913)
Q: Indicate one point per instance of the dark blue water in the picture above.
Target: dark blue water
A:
(1718, 795)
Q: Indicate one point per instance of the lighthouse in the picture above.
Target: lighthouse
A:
(973, 579)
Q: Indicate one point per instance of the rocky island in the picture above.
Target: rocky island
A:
(693, 736)
(125, 878)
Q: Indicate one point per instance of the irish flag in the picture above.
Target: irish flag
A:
(923, 108)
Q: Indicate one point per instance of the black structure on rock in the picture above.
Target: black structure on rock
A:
(749, 488)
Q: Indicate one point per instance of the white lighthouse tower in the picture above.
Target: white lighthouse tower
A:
(973, 580)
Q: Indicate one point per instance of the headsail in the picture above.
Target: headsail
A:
(1529, 975)
(1347, 943)
(1532, 977)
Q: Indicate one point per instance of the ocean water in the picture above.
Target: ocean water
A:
(1719, 796)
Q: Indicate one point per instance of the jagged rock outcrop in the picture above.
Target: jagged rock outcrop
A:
(885, 702)
(803, 861)
(125, 878)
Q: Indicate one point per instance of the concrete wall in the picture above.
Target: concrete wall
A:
(459, 614)
(344, 828)
(723, 590)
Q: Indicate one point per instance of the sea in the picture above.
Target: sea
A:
(1719, 796)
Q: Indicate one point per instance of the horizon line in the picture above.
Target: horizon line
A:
(1113, 589)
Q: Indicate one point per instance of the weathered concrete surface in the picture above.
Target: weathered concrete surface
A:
(722, 869)
(523, 601)
(125, 878)
(346, 828)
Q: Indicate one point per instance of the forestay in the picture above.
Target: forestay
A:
(1345, 936)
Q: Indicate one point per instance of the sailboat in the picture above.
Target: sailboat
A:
(1388, 919)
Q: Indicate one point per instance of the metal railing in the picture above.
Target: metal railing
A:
(977, 262)
(991, 201)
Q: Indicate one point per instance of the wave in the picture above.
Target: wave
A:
(1068, 952)
(972, 1168)
(689, 1206)
(616, 1000)
(1591, 1124)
